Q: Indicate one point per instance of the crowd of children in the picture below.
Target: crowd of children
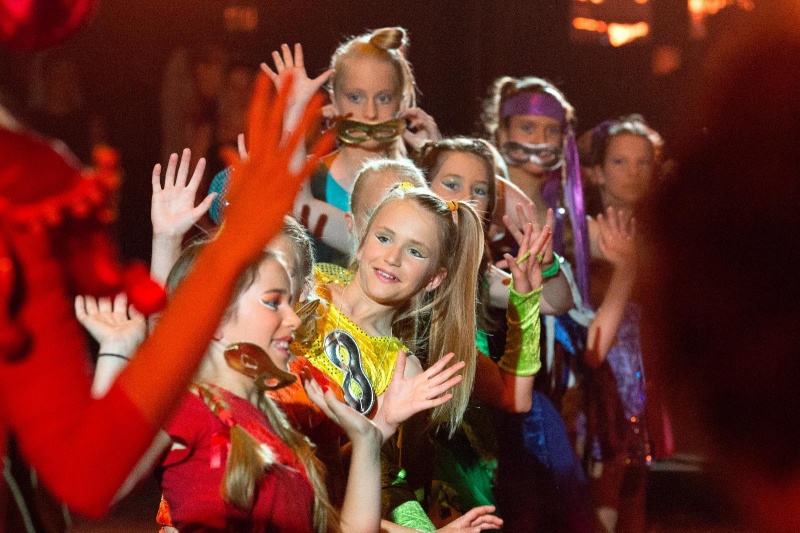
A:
(452, 342)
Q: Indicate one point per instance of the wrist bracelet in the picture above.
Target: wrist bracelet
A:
(114, 355)
(553, 269)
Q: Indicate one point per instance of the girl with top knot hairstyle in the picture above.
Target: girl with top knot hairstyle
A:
(373, 104)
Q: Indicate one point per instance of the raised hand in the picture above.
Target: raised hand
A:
(405, 397)
(263, 188)
(116, 326)
(421, 127)
(356, 425)
(474, 520)
(526, 214)
(288, 65)
(617, 238)
(526, 268)
(172, 209)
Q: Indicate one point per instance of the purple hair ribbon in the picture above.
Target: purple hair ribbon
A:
(541, 104)
(573, 198)
(573, 194)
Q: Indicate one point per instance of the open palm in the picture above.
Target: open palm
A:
(172, 209)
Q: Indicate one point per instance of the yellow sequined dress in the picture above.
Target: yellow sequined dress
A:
(360, 363)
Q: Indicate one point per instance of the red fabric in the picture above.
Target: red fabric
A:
(191, 477)
(82, 449)
(302, 413)
(31, 24)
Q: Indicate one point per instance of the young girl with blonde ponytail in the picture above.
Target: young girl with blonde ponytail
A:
(413, 284)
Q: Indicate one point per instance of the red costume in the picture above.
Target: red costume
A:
(53, 240)
(191, 477)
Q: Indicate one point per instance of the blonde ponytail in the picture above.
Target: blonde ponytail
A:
(326, 518)
(452, 322)
(437, 323)
(244, 468)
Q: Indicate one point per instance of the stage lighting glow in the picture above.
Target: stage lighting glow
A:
(618, 34)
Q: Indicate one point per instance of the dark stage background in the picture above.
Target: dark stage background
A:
(457, 49)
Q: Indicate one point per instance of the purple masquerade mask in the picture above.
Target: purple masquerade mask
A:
(541, 104)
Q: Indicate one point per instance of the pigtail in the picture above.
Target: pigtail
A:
(326, 518)
(453, 323)
(248, 459)
(244, 468)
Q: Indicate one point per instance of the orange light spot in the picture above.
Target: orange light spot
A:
(618, 34)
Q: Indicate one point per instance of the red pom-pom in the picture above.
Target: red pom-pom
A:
(145, 294)
(34, 24)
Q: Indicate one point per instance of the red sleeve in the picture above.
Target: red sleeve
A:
(82, 448)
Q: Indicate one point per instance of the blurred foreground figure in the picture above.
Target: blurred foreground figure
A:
(725, 301)
(54, 242)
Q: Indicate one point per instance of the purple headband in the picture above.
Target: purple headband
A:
(534, 104)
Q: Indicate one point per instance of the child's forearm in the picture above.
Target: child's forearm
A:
(361, 510)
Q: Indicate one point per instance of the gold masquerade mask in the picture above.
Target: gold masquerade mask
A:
(352, 131)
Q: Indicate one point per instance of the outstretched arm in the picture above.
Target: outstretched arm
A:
(617, 233)
(172, 211)
(508, 385)
(84, 448)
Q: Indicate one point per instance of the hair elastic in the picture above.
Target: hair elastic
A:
(452, 205)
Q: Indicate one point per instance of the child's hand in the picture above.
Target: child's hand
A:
(405, 397)
(356, 425)
(116, 326)
(618, 238)
(476, 519)
(526, 214)
(262, 189)
(172, 209)
(422, 127)
(287, 65)
(526, 268)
